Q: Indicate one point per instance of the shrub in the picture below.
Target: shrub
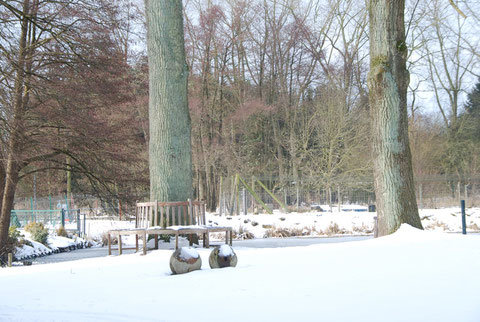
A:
(13, 235)
(13, 239)
(38, 231)
(61, 231)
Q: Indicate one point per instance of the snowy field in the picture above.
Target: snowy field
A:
(352, 220)
(411, 275)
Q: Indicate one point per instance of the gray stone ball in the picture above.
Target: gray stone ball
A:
(184, 260)
(222, 256)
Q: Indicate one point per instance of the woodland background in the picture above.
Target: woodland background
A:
(277, 90)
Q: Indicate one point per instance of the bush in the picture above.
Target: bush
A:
(38, 231)
(13, 239)
(62, 232)
(13, 236)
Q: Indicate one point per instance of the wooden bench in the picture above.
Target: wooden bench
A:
(169, 218)
(122, 232)
(178, 218)
(198, 208)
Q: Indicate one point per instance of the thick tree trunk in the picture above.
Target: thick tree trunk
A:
(14, 144)
(170, 147)
(388, 80)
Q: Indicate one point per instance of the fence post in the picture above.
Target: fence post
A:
(375, 227)
(120, 209)
(78, 222)
(464, 222)
(31, 208)
(253, 199)
(330, 198)
(84, 225)
(63, 217)
(220, 196)
(297, 187)
(339, 199)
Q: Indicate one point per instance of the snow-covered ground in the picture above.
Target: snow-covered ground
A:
(411, 275)
(55, 245)
(352, 220)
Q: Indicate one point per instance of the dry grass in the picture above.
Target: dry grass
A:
(61, 231)
(242, 233)
(362, 229)
(474, 227)
(299, 209)
(278, 232)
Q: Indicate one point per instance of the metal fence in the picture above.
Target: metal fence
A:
(89, 205)
(71, 219)
(431, 192)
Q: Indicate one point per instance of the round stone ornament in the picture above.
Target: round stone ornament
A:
(184, 260)
(222, 256)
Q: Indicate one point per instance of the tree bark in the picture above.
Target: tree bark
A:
(169, 147)
(14, 144)
(388, 81)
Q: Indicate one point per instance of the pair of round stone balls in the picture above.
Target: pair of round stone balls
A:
(187, 259)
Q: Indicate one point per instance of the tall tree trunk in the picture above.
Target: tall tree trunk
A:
(388, 81)
(12, 167)
(170, 147)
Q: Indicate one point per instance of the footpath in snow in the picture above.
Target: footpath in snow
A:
(411, 275)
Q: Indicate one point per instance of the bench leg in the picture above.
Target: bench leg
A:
(136, 243)
(119, 244)
(156, 241)
(176, 241)
(109, 244)
(226, 237)
(144, 243)
(231, 236)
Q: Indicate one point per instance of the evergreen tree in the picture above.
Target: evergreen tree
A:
(472, 112)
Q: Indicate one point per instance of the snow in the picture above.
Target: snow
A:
(55, 244)
(349, 221)
(411, 275)
(60, 242)
(225, 251)
(185, 227)
(187, 253)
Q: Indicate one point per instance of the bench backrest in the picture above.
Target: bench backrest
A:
(165, 214)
